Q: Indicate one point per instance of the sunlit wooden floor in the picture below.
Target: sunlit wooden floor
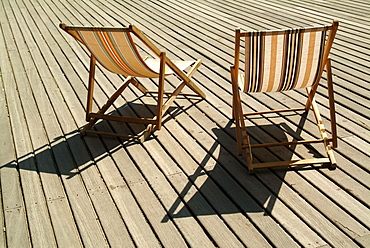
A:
(185, 186)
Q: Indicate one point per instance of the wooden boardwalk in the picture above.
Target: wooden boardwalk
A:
(185, 186)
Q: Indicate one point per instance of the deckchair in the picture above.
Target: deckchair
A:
(115, 48)
(277, 61)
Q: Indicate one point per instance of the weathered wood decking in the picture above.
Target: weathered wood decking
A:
(185, 186)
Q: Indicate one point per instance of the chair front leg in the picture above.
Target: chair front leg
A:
(161, 89)
(333, 121)
(90, 89)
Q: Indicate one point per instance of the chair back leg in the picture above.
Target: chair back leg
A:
(333, 121)
(90, 89)
(161, 90)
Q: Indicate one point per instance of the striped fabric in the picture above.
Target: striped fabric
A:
(282, 60)
(116, 51)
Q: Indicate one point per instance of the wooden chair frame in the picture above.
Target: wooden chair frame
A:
(241, 132)
(154, 123)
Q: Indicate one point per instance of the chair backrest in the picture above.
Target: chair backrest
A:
(114, 48)
(283, 59)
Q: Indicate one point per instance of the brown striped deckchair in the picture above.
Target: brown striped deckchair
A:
(116, 50)
(282, 60)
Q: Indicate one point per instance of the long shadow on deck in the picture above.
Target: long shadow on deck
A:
(227, 187)
(72, 153)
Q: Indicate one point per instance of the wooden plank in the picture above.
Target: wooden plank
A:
(363, 240)
(223, 6)
(318, 222)
(13, 216)
(362, 231)
(6, 147)
(161, 228)
(324, 204)
(125, 201)
(199, 206)
(355, 141)
(290, 117)
(107, 213)
(187, 162)
(165, 193)
(188, 193)
(357, 124)
(230, 213)
(166, 167)
(101, 199)
(227, 161)
(105, 208)
(57, 204)
(83, 205)
(154, 212)
(196, 207)
(346, 163)
(140, 163)
(320, 9)
(189, 227)
(65, 227)
(199, 240)
(261, 16)
(4, 136)
(296, 119)
(347, 150)
(34, 200)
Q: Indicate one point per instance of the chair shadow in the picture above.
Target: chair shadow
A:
(230, 163)
(72, 153)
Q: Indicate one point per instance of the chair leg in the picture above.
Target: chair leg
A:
(242, 136)
(238, 136)
(90, 89)
(248, 149)
(161, 90)
(333, 121)
(235, 90)
(239, 127)
(322, 131)
(236, 109)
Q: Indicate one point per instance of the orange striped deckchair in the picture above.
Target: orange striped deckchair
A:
(115, 49)
(282, 60)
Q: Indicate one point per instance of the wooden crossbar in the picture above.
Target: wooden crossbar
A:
(291, 163)
(298, 142)
(274, 111)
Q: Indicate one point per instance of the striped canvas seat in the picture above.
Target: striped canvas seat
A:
(115, 49)
(281, 60)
